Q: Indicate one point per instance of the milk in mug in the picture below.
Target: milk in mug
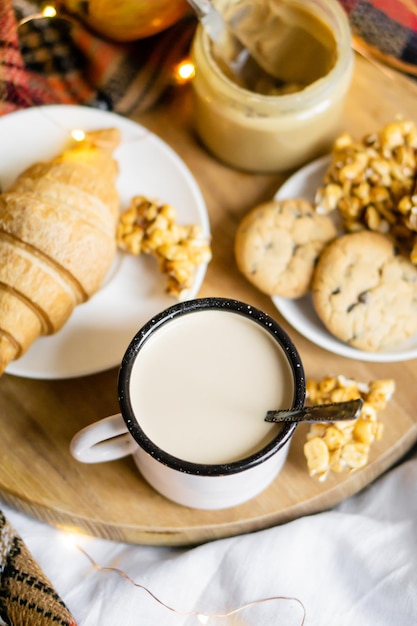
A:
(201, 385)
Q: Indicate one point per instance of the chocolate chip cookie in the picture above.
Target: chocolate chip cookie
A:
(365, 291)
(278, 243)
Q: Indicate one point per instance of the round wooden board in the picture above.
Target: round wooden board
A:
(38, 418)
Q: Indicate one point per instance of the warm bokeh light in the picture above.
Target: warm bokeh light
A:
(78, 134)
(184, 71)
(70, 537)
(49, 11)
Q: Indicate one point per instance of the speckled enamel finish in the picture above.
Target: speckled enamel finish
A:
(201, 485)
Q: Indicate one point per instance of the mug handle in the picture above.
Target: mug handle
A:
(105, 440)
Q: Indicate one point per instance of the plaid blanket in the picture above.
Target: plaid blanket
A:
(27, 598)
(58, 61)
(387, 29)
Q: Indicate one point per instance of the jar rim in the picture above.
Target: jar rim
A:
(311, 92)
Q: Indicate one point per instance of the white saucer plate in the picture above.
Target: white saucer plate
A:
(300, 313)
(97, 334)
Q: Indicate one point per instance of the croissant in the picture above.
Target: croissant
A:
(57, 240)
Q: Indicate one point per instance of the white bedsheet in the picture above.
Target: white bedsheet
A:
(355, 565)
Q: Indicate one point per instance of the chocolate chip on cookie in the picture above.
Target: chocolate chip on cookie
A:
(278, 243)
(365, 291)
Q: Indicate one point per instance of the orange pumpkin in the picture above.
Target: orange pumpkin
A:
(127, 20)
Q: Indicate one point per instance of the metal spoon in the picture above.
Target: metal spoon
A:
(229, 49)
(331, 412)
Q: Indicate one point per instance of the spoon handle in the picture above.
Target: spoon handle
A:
(210, 18)
(331, 412)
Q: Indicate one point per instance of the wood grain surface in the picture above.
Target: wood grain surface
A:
(38, 418)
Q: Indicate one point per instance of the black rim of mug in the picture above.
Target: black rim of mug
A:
(191, 306)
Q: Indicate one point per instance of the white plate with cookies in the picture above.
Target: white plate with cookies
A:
(300, 312)
(98, 332)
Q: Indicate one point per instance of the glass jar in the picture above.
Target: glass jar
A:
(272, 133)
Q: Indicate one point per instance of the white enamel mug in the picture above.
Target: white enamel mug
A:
(190, 467)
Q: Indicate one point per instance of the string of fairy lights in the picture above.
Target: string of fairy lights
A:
(201, 617)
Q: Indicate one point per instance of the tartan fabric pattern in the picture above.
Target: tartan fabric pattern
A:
(388, 27)
(17, 88)
(58, 61)
(26, 595)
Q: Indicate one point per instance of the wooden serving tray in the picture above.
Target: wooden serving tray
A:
(38, 418)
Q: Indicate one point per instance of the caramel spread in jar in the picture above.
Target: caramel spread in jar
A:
(293, 45)
(282, 122)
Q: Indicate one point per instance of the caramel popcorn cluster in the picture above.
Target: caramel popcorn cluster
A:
(150, 227)
(345, 445)
(373, 183)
